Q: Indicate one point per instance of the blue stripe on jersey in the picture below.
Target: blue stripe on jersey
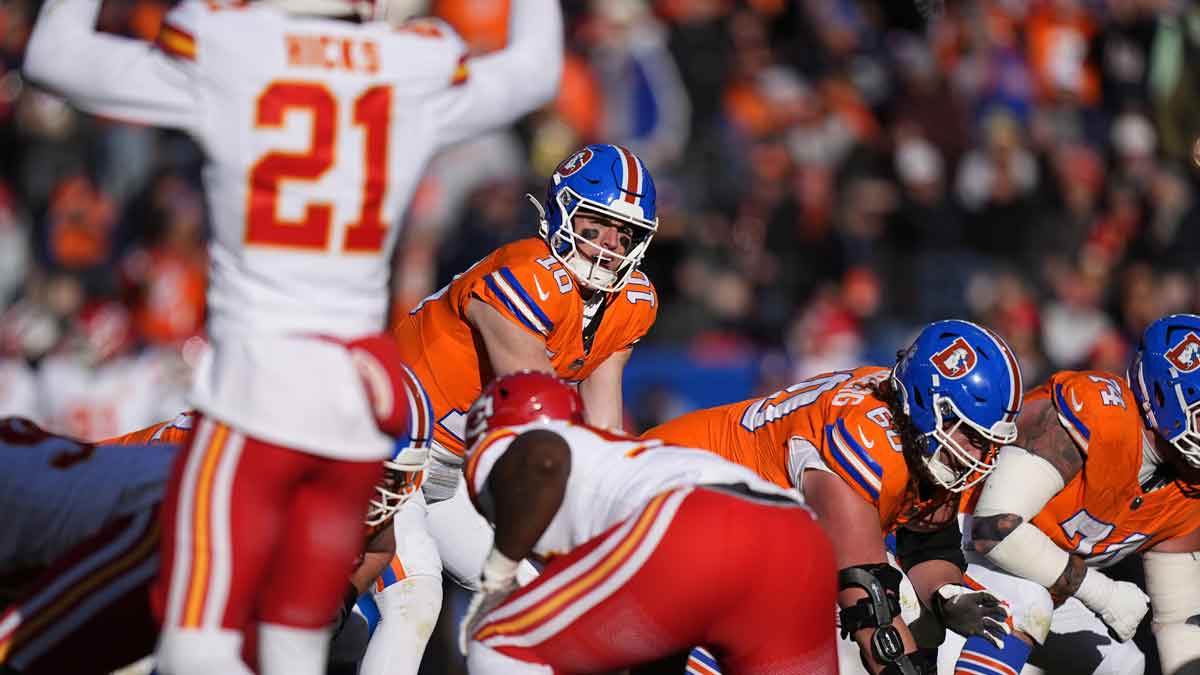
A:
(981, 656)
(511, 307)
(846, 464)
(704, 656)
(516, 286)
(858, 450)
(1068, 412)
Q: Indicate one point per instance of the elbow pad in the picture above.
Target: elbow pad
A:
(1021, 484)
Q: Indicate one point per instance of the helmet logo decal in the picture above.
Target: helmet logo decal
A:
(956, 360)
(1185, 355)
(574, 163)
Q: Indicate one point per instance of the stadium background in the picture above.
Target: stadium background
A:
(831, 173)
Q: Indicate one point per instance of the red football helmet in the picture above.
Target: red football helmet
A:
(520, 398)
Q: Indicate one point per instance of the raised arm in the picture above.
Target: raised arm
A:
(509, 83)
(106, 74)
(1027, 475)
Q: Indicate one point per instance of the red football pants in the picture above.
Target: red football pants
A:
(254, 531)
(751, 578)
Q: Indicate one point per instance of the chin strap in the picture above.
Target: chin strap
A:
(543, 224)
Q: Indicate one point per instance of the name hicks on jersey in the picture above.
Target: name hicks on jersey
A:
(330, 52)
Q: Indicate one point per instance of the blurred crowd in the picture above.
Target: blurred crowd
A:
(831, 174)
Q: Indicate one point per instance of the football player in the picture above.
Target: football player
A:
(875, 450)
(650, 548)
(316, 122)
(571, 302)
(1103, 467)
(88, 609)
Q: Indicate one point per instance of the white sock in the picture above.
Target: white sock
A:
(284, 650)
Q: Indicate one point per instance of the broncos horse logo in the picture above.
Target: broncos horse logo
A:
(1185, 355)
(574, 163)
(956, 360)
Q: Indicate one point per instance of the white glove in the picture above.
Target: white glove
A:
(1119, 603)
(441, 475)
(968, 612)
(499, 580)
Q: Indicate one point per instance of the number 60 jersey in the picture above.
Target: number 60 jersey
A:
(316, 131)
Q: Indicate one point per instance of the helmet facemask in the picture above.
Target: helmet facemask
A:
(402, 477)
(946, 461)
(566, 243)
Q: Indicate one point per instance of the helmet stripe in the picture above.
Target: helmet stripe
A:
(1014, 376)
(632, 185)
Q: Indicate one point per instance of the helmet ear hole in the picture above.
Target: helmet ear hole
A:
(918, 398)
(1159, 398)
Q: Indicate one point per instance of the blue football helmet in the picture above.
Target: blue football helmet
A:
(1165, 377)
(958, 373)
(609, 181)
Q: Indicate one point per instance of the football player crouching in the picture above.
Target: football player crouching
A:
(875, 450)
(1103, 467)
(651, 548)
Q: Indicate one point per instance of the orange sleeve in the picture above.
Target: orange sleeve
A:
(170, 431)
(526, 292)
(642, 300)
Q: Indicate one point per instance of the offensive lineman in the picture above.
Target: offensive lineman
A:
(316, 130)
(874, 450)
(1103, 467)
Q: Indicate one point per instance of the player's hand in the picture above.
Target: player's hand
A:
(1120, 604)
(498, 581)
(970, 612)
(482, 603)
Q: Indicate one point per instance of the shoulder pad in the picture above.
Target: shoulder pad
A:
(1092, 401)
(529, 292)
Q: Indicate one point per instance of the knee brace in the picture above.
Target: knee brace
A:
(881, 582)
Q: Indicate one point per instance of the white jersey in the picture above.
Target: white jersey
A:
(611, 478)
(18, 389)
(110, 399)
(316, 132)
(55, 491)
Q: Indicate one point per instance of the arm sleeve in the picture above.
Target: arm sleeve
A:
(110, 75)
(498, 88)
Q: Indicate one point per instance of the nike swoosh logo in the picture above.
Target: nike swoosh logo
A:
(863, 437)
(541, 294)
(1075, 402)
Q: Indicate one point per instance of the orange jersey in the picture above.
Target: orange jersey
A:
(837, 413)
(527, 285)
(1102, 514)
(171, 431)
